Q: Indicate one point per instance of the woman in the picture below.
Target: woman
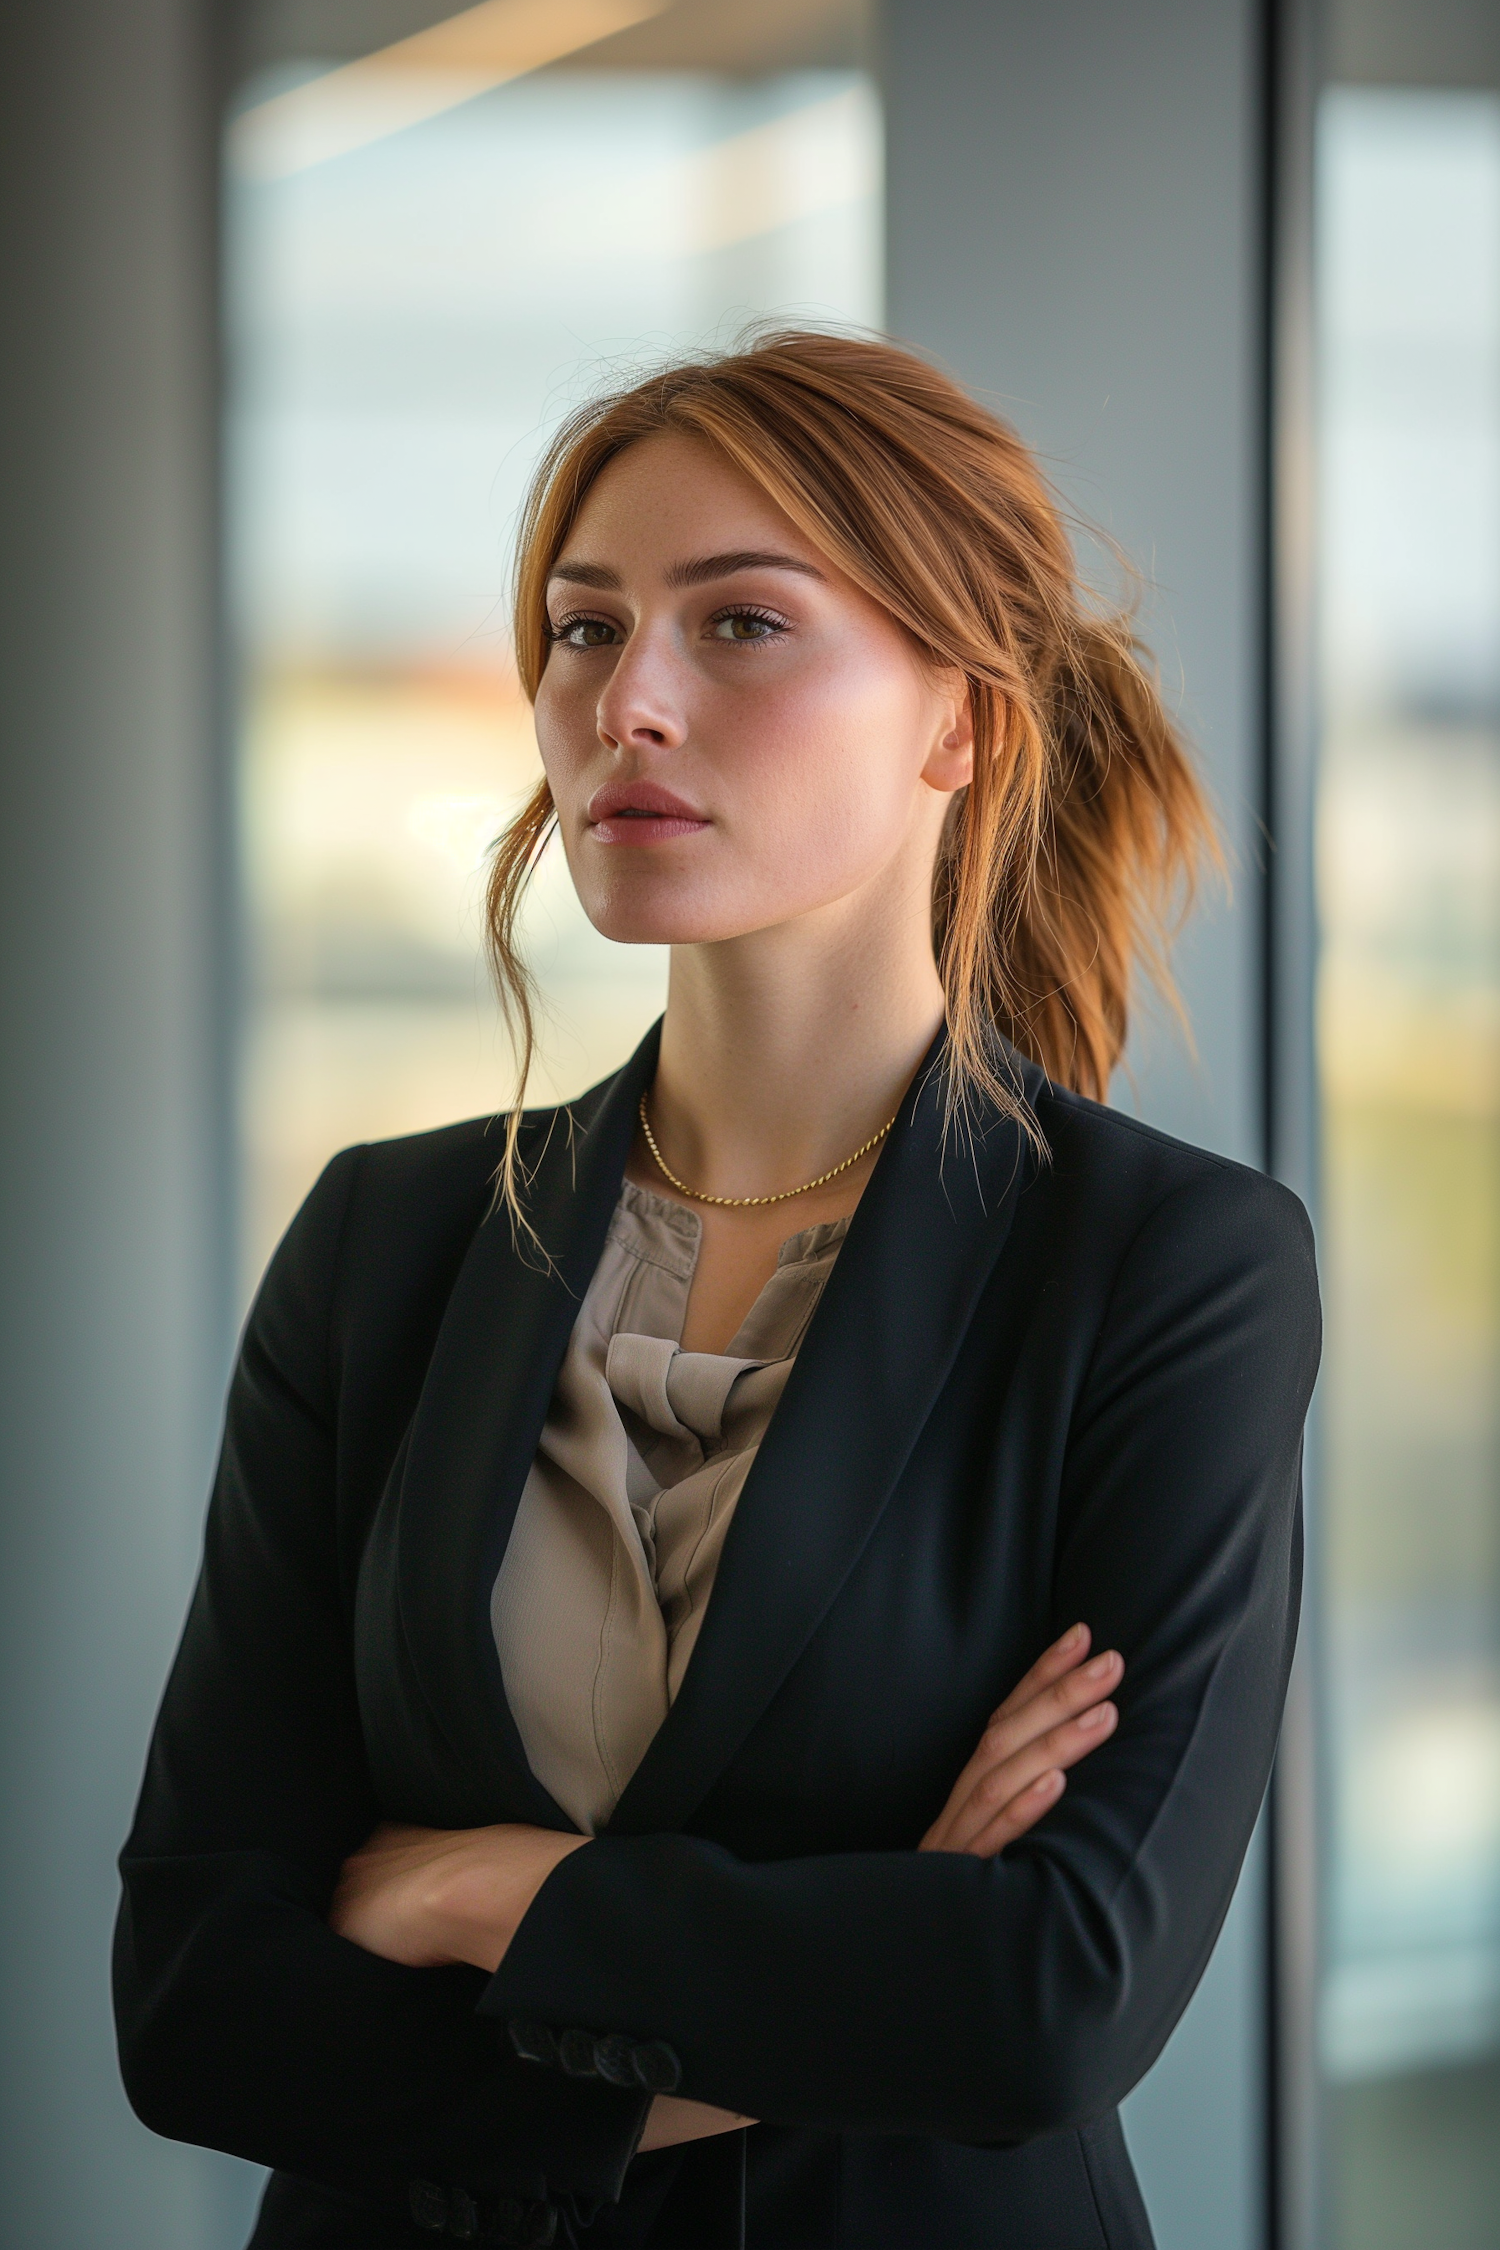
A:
(609, 1575)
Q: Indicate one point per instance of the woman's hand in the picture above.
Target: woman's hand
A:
(1057, 1715)
(430, 1897)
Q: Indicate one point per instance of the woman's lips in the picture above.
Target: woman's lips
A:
(643, 828)
(640, 813)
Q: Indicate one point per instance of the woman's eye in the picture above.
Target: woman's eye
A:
(585, 632)
(746, 625)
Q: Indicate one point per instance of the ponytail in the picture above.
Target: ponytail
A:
(1122, 829)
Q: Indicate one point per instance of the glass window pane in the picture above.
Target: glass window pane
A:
(1409, 1036)
(425, 270)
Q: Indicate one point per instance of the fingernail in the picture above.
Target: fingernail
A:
(1046, 1784)
(1097, 1666)
(1097, 1717)
(1072, 1637)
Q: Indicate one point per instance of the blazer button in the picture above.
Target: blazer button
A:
(535, 2042)
(656, 2067)
(428, 2204)
(576, 2052)
(614, 2059)
(463, 2216)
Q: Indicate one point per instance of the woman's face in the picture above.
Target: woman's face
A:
(735, 735)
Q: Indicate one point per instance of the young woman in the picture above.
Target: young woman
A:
(629, 1522)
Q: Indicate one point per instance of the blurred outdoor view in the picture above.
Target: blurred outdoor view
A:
(432, 255)
(1409, 1030)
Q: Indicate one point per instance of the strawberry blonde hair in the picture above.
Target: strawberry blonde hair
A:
(1068, 859)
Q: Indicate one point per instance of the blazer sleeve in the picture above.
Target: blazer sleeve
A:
(244, 2022)
(989, 2001)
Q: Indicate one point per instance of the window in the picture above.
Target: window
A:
(432, 253)
(1408, 243)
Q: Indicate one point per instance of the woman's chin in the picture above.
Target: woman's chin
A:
(662, 929)
(630, 916)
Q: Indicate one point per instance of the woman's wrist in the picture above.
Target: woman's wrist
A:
(478, 1900)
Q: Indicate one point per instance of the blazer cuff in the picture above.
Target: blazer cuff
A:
(580, 2133)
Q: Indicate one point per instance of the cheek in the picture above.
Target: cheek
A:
(565, 733)
(828, 773)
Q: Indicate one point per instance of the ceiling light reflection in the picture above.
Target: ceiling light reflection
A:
(420, 77)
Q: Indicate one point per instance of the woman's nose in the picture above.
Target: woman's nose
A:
(640, 706)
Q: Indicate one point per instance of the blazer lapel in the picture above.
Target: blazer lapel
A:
(475, 1431)
(924, 1240)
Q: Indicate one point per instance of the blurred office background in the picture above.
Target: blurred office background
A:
(297, 290)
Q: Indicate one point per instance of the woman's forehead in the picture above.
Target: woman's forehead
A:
(671, 477)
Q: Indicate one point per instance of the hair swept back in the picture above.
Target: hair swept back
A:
(1073, 851)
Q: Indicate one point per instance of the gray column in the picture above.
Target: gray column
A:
(1075, 228)
(1076, 200)
(114, 1180)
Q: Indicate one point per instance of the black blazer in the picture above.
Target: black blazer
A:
(1034, 1391)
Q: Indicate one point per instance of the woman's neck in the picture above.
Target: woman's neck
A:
(784, 1050)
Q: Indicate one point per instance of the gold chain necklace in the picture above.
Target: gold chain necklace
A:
(741, 1202)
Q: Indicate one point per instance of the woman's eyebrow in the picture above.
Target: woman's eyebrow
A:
(696, 573)
(699, 572)
(598, 575)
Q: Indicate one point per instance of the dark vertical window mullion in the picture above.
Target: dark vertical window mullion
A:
(1295, 2200)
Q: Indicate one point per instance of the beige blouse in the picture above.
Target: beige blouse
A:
(644, 1454)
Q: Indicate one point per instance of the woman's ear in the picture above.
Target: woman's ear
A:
(950, 761)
